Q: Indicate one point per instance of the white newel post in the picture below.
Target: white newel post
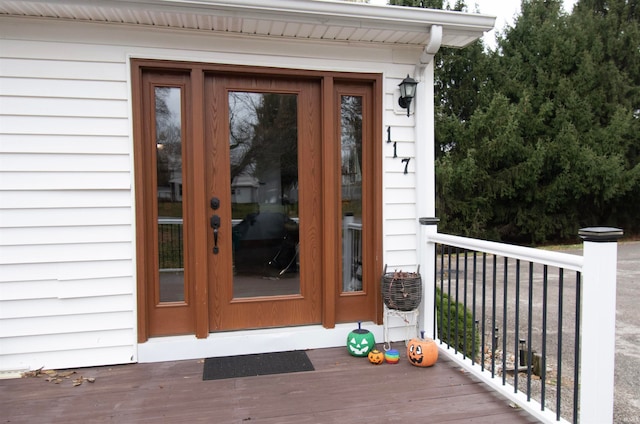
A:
(427, 307)
(597, 345)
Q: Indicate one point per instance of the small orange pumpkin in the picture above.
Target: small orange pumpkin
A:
(376, 357)
(422, 352)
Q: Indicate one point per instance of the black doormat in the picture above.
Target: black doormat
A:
(258, 364)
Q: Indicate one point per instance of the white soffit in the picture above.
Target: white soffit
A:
(306, 19)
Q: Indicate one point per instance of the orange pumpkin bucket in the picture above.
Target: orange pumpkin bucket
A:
(421, 351)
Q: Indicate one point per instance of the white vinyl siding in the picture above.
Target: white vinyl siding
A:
(400, 216)
(67, 231)
(67, 287)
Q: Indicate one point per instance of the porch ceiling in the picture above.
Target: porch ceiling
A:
(306, 19)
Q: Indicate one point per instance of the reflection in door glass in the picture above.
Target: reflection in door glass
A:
(351, 148)
(263, 145)
(169, 184)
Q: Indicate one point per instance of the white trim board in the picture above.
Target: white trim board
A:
(248, 342)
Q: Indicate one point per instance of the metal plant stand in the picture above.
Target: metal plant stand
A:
(410, 319)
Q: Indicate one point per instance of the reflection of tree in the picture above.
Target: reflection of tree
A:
(263, 136)
(168, 136)
(351, 117)
(351, 139)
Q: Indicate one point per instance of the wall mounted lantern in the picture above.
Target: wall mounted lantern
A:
(407, 92)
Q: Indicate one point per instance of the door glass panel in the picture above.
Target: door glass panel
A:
(263, 146)
(351, 152)
(169, 184)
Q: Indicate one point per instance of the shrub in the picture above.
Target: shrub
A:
(455, 327)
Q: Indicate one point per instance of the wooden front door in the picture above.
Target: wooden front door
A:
(263, 179)
(258, 200)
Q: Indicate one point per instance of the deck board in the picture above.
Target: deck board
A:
(341, 389)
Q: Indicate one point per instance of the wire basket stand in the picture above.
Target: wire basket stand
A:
(402, 294)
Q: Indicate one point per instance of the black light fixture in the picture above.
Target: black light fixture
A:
(407, 92)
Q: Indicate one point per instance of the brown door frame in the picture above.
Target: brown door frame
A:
(196, 209)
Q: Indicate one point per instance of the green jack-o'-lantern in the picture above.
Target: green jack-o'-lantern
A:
(422, 352)
(376, 357)
(360, 341)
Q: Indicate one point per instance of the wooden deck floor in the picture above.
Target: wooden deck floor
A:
(342, 389)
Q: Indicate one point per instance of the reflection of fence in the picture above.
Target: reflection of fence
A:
(171, 250)
(170, 246)
(352, 256)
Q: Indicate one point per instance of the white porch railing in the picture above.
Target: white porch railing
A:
(495, 283)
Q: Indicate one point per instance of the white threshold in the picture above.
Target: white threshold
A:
(176, 348)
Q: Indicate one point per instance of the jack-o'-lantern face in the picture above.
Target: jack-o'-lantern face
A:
(360, 342)
(414, 354)
(376, 357)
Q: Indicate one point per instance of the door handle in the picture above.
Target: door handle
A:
(215, 224)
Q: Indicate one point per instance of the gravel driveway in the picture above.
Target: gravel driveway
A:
(627, 376)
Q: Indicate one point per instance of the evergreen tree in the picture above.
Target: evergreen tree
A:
(575, 97)
(542, 136)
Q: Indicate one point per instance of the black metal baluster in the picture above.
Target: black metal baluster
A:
(456, 320)
(441, 329)
(168, 245)
(504, 321)
(517, 330)
(180, 238)
(493, 317)
(576, 344)
(435, 290)
(449, 298)
(161, 252)
(484, 305)
(559, 376)
(543, 359)
(529, 331)
(473, 312)
(464, 325)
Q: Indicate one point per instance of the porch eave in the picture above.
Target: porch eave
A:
(338, 21)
